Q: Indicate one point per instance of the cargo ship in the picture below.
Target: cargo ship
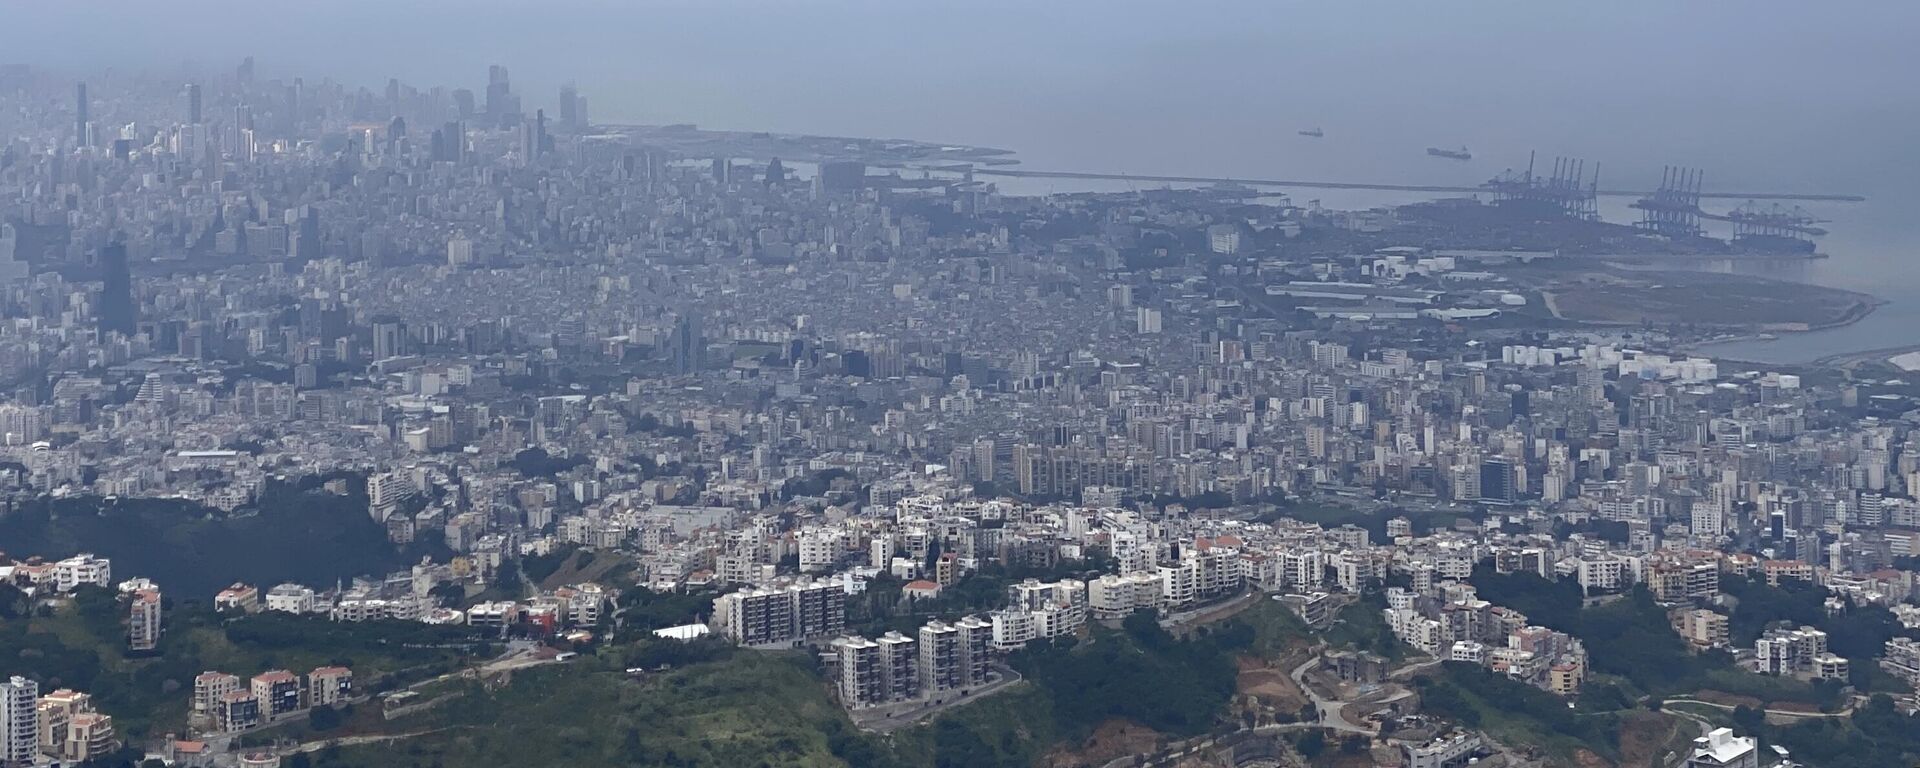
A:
(1450, 154)
(1314, 132)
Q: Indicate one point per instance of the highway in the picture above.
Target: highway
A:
(1300, 184)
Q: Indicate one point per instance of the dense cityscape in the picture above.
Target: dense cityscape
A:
(411, 424)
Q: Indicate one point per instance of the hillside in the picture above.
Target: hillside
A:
(745, 709)
(81, 645)
(191, 551)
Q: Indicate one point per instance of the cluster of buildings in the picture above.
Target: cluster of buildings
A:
(61, 576)
(59, 725)
(1798, 651)
(140, 598)
(224, 703)
(941, 659)
(1457, 626)
(512, 334)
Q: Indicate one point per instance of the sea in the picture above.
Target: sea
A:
(1760, 95)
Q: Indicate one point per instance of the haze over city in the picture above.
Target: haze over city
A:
(845, 383)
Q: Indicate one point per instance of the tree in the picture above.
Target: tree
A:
(1311, 744)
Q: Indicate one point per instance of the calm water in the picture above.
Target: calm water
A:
(1762, 94)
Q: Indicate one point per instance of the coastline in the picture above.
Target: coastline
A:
(1855, 313)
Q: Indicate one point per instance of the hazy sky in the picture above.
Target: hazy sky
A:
(1145, 81)
(1762, 94)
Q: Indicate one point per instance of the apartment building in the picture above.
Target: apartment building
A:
(237, 711)
(19, 720)
(291, 598)
(71, 730)
(143, 621)
(84, 568)
(1115, 596)
(209, 689)
(954, 656)
(1783, 651)
(1701, 628)
(1037, 610)
(1721, 749)
(781, 615)
(329, 686)
(278, 692)
(859, 660)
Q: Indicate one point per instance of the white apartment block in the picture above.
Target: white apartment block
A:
(1722, 749)
(1114, 596)
(821, 548)
(80, 569)
(291, 598)
(1038, 610)
(19, 721)
(1788, 651)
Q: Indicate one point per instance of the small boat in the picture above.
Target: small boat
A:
(1451, 154)
(1313, 132)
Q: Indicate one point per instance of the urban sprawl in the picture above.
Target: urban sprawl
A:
(799, 387)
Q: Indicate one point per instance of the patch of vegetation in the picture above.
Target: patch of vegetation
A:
(1516, 713)
(1858, 632)
(747, 710)
(538, 567)
(1631, 638)
(645, 610)
(82, 646)
(1362, 626)
(1276, 630)
(1013, 728)
(1876, 734)
(293, 534)
(1140, 673)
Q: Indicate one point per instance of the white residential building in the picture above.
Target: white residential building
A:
(1114, 596)
(19, 721)
(80, 569)
(1721, 749)
(291, 598)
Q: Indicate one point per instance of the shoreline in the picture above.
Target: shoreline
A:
(1857, 312)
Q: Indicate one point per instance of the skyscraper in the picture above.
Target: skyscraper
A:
(193, 103)
(389, 336)
(569, 97)
(117, 310)
(80, 116)
(11, 268)
(688, 348)
(538, 138)
(19, 721)
(502, 107)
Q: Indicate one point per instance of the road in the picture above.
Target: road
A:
(1174, 622)
(349, 741)
(893, 720)
(1680, 758)
(1330, 709)
(1800, 713)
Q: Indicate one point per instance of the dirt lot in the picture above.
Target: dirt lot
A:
(1114, 739)
(1722, 697)
(1648, 735)
(1270, 685)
